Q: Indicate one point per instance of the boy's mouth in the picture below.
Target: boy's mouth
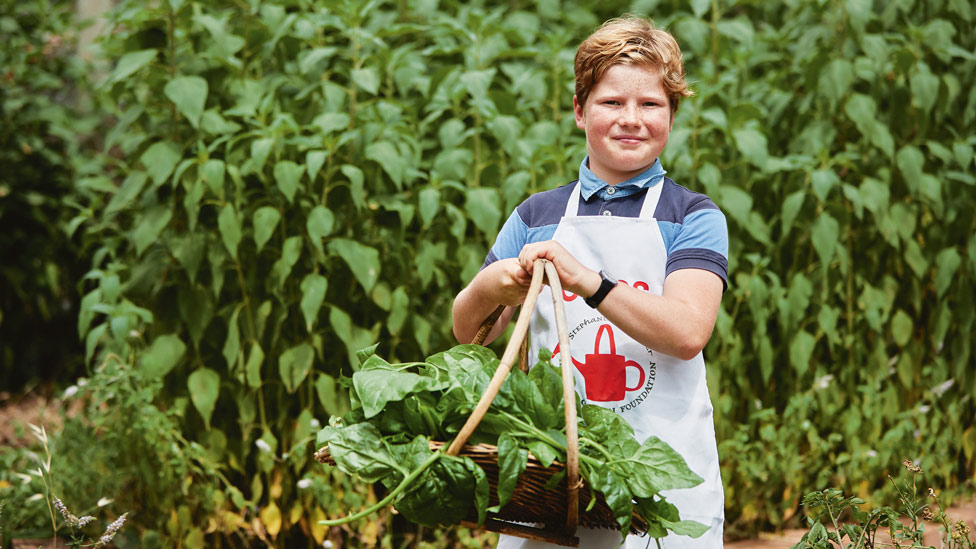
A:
(629, 139)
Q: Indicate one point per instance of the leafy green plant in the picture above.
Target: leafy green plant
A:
(42, 113)
(287, 183)
(38, 498)
(284, 183)
(399, 408)
(845, 520)
(834, 137)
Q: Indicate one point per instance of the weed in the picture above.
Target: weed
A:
(54, 503)
(860, 528)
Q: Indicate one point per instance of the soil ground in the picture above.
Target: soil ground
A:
(16, 412)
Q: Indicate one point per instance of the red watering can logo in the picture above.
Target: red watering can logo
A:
(606, 374)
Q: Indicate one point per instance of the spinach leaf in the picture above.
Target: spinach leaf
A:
(463, 358)
(549, 382)
(527, 401)
(654, 467)
(690, 528)
(481, 489)
(363, 354)
(542, 452)
(443, 493)
(395, 419)
(664, 516)
(511, 464)
(361, 450)
(414, 453)
(603, 425)
(378, 382)
(420, 416)
(615, 493)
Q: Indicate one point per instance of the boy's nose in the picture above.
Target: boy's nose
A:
(628, 115)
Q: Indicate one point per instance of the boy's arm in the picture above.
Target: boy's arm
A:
(678, 323)
(503, 282)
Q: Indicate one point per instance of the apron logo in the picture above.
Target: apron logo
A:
(606, 374)
(640, 285)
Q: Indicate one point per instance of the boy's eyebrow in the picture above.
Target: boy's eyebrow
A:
(642, 95)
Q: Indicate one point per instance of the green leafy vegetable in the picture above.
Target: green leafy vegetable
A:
(398, 408)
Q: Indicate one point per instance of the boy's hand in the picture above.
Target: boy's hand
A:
(511, 281)
(573, 275)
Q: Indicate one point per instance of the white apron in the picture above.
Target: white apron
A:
(657, 394)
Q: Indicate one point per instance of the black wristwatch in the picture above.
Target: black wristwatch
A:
(608, 283)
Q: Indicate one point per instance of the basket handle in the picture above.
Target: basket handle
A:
(485, 329)
(541, 268)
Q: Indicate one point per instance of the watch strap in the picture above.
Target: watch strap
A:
(606, 284)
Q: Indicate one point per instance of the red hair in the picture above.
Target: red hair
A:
(630, 40)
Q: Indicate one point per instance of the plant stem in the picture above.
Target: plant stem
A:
(833, 520)
(544, 437)
(598, 447)
(389, 497)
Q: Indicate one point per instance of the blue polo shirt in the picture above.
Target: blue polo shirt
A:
(693, 228)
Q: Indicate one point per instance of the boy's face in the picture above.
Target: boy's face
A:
(627, 120)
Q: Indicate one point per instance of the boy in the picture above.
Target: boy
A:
(642, 260)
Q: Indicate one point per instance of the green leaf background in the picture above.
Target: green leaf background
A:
(266, 161)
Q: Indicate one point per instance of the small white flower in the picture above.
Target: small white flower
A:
(941, 388)
(83, 521)
(70, 391)
(871, 453)
(262, 445)
(758, 404)
(315, 423)
(327, 544)
(111, 531)
(134, 334)
(824, 382)
(104, 501)
(924, 409)
(304, 484)
(82, 382)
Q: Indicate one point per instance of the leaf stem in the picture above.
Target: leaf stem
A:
(597, 446)
(389, 497)
(544, 437)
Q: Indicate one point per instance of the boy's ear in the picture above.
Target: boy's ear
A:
(578, 111)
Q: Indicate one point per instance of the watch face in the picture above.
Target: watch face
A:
(608, 276)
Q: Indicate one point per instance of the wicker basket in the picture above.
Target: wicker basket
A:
(531, 501)
(533, 512)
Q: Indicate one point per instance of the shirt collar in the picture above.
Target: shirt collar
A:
(590, 184)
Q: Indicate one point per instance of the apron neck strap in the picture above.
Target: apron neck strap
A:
(572, 205)
(651, 199)
(647, 209)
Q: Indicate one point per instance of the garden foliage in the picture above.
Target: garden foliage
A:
(42, 111)
(286, 182)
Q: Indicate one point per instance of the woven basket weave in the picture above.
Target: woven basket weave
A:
(555, 513)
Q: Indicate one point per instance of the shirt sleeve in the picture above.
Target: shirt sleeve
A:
(509, 241)
(702, 242)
